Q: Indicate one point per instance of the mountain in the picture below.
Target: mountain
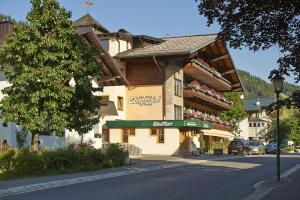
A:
(257, 87)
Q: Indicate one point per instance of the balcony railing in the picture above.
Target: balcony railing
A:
(199, 71)
(216, 121)
(207, 95)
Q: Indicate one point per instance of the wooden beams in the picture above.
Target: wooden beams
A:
(232, 71)
(226, 56)
(157, 65)
(110, 67)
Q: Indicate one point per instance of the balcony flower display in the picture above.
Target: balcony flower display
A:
(196, 85)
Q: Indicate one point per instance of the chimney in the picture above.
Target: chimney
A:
(5, 29)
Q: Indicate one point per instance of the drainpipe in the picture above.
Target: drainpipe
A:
(163, 87)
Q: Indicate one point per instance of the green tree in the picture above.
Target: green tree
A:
(39, 59)
(236, 113)
(260, 25)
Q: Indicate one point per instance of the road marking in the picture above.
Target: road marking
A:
(264, 187)
(60, 183)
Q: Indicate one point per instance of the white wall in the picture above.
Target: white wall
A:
(148, 143)
(247, 131)
(244, 127)
(73, 137)
(114, 46)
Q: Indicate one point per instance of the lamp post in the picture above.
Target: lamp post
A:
(277, 81)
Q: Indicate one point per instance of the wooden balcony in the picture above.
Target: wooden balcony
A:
(221, 126)
(201, 97)
(216, 124)
(206, 75)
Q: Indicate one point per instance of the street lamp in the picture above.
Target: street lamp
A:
(277, 81)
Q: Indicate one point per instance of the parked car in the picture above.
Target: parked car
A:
(238, 147)
(256, 147)
(271, 148)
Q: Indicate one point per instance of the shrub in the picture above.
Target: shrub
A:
(289, 149)
(25, 162)
(115, 156)
(29, 162)
(7, 162)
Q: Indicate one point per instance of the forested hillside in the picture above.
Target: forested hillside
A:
(257, 87)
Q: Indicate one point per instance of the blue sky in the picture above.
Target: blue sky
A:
(156, 18)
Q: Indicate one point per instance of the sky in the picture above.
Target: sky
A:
(158, 18)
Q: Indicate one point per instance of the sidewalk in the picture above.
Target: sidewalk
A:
(290, 191)
(138, 164)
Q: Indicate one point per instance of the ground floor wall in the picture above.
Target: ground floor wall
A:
(149, 143)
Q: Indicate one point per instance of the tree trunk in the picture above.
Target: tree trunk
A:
(81, 141)
(35, 142)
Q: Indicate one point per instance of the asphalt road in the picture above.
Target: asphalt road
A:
(213, 180)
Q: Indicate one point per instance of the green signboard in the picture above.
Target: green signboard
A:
(159, 123)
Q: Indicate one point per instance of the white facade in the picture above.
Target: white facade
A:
(71, 137)
(255, 125)
(147, 142)
(113, 92)
(116, 46)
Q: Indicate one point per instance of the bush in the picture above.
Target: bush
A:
(115, 156)
(7, 162)
(289, 149)
(25, 162)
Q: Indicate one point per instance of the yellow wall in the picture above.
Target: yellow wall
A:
(152, 110)
(147, 143)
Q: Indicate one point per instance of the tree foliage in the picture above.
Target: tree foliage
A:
(256, 87)
(39, 59)
(260, 25)
(289, 127)
(236, 113)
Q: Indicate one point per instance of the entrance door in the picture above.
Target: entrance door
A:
(184, 140)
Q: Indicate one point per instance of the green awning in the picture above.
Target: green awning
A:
(158, 123)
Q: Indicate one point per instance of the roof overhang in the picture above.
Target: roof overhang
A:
(217, 55)
(112, 72)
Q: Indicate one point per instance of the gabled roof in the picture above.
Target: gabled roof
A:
(184, 45)
(250, 104)
(113, 75)
(88, 20)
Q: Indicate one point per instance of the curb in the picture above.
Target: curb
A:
(60, 183)
(262, 188)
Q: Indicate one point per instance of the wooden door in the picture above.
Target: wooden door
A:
(184, 141)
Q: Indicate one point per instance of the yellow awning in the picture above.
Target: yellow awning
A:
(218, 133)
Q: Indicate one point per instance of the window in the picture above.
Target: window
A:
(161, 136)
(126, 132)
(105, 135)
(159, 133)
(177, 87)
(250, 124)
(125, 135)
(104, 100)
(258, 124)
(105, 44)
(132, 131)
(153, 132)
(120, 103)
(177, 112)
(262, 124)
(254, 124)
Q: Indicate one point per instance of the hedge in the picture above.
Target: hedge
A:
(24, 162)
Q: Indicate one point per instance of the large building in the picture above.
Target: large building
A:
(160, 95)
